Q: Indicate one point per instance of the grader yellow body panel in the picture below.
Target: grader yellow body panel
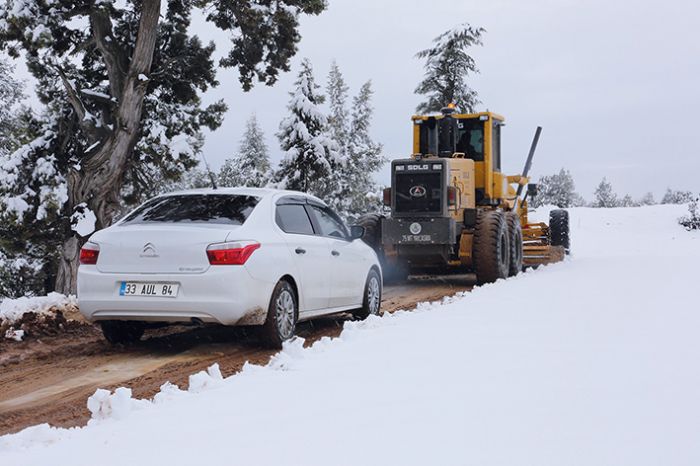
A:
(452, 207)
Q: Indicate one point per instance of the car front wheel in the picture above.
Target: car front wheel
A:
(281, 315)
(372, 299)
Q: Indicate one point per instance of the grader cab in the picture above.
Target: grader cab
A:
(453, 209)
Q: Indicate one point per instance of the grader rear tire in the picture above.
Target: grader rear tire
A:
(491, 247)
(373, 231)
(559, 228)
(515, 235)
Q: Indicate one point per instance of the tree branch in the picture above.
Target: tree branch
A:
(88, 125)
(73, 98)
(131, 101)
(115, 59)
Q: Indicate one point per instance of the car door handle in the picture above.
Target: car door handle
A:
(335, 253)
(300, 251)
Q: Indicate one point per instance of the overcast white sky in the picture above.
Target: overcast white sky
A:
(613, 83)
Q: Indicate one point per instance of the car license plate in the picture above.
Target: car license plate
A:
(155, 289)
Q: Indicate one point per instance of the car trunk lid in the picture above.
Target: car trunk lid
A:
(153, 249)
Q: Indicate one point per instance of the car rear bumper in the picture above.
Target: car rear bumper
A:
(224, 294)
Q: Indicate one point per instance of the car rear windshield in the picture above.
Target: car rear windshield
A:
(194, 208)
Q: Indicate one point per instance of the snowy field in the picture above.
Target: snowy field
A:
(593, 361)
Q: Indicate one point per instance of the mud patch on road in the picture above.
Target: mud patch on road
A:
(49, 376)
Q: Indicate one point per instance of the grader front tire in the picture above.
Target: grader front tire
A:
(491, 247)
(559, 229)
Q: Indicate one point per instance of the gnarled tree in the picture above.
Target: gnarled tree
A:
(121, 83)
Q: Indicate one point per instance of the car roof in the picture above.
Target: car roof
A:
(260, 192)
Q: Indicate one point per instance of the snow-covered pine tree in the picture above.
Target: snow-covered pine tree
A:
(447, 66)
(122, 94)
(627, 201)
(360, 193)
(558, 189)
(677, 197)
(10, 96)
(605, 196)
(692, 220)
(311, 158)
(27, 236)
(647, 199)
(251, 165)
(338, 123)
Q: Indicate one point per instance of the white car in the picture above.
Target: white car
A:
(233, 256)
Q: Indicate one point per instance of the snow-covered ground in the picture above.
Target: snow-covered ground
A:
(593, 361)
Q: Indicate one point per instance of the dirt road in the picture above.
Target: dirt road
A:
(50, 378)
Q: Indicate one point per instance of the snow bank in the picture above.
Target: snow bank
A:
(12, 310)
(590, 361)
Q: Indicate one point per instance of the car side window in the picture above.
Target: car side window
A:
(329, 223)
(292, 218)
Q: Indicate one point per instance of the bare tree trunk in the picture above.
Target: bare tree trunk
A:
(99, 181)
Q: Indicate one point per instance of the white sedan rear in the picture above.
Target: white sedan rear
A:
(233, 256)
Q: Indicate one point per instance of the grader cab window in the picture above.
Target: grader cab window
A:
(470, 139)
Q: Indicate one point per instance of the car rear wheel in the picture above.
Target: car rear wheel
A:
(116, 331)
(372, 300)
(281, 315)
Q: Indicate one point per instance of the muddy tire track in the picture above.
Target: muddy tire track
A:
(48, 379)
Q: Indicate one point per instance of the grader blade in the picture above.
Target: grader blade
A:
(537, 247)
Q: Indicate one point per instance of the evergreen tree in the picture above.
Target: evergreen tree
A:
(251, 165)
(447, 65)
(605, 196)
(122, 96)
(627, 201)
(692, 220)
(27, 237)
(10, 96)
(677, 197)
(311, 157)
(360, 193)
(647, 199)
(558, 189)
(337, 100)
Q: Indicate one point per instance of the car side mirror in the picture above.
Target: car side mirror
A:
(357, 232)
(532, 190)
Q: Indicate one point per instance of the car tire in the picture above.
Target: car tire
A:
(515, 234)
(372, 298)
(282, 313)
(122, 332)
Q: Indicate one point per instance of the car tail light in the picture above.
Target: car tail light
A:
(451, 196)
(89, 253)
(231, 253)
(387, 197)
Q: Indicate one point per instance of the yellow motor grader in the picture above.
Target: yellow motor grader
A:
(453, 210)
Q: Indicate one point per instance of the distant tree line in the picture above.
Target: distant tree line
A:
(559, 189)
